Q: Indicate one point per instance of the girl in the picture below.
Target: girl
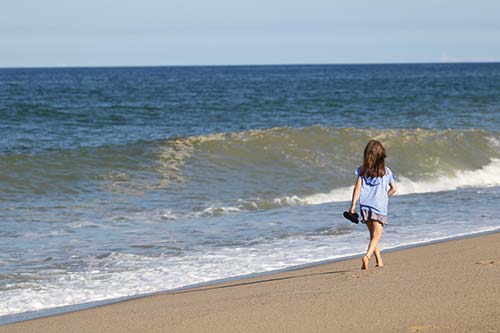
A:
(375, 184)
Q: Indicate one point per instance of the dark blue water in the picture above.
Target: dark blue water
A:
(122, 181)
(43, 109)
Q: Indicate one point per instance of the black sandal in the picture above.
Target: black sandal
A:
(354, 218)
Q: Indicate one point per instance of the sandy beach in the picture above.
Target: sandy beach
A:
(448, 286)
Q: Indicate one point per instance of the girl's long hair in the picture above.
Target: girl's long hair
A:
(373, 160)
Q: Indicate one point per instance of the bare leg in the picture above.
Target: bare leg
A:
(375, 234)
(378, 257)
(365, 259)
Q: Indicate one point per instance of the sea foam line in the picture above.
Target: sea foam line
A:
(143, 275)
(487, 176)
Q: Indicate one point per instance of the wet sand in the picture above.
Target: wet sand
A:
(451, 286)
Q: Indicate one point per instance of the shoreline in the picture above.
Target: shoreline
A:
(27, 317)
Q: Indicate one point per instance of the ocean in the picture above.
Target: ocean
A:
(117, 182)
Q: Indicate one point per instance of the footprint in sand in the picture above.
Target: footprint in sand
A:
(420, 328)
(489, 262)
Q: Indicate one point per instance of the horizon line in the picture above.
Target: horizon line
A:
(257, 65)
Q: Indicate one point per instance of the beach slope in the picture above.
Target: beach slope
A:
(448, 286)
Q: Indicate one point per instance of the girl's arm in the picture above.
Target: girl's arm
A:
(355, 195)
(393, 189)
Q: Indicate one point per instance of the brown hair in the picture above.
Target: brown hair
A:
(373, 160)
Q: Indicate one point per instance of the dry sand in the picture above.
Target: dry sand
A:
(452, 286)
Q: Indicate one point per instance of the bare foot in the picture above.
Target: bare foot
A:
(379, 265)
(365, 261)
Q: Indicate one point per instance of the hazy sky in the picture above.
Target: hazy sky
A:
(195, 32)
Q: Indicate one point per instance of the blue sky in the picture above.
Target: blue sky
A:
(196, 32)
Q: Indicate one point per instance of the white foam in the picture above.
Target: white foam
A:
(494, 142)
(119, 275)
(217, 211)
(138, 274)
(487, 176)
(336, 195)
(169, 215)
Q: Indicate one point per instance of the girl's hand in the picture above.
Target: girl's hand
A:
(393, 189)
(352, 210)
